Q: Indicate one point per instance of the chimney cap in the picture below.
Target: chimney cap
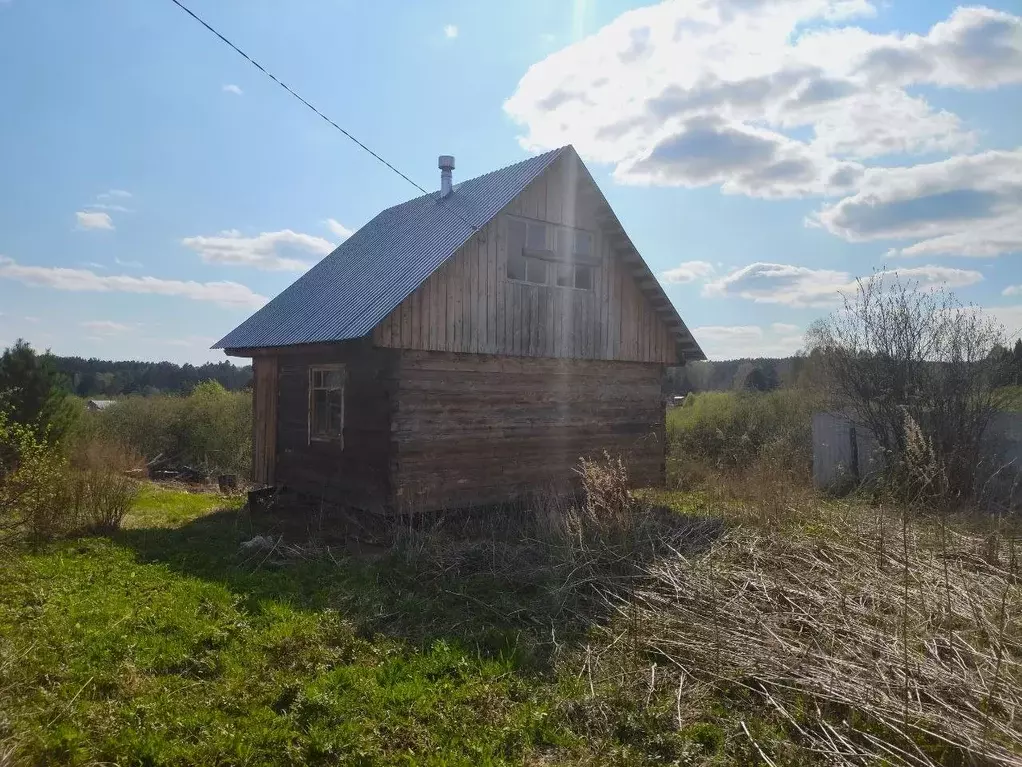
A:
(445, 162)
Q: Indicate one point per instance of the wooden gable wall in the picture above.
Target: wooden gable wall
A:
(469, 305)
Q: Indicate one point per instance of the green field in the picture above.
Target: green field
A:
(165, 645)
(168, 644)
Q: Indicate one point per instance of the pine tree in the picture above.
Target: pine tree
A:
(33, 393)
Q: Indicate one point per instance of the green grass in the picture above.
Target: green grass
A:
(165, 645)
(1011, 398)
(159, 506)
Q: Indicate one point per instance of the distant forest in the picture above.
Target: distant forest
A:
(762, 374)
(101, 378)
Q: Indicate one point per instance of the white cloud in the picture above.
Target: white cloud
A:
(225, 293)
(269, 251)
(1012, 290)
(91, 220)
(723, 342)
(130, 264)
(740, 158)
(756, 95)
(339, 230)
(687, 271)
(111, 194)
(966, 205)
(800, 286)
(781, 284)
(200, 342)
(105, 327)
(450, 31)
(108, 207)
(232, 88)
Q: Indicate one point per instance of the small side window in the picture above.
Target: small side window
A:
(584, 277)
(537, 236)
(516, 231)
(565, 276)
(326, 403)
(564, 244)
(515, 266)
(535, 271)
(583, 243)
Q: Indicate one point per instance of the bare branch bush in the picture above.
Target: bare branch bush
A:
(914, 366)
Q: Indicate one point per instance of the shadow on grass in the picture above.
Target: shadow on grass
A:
(523, 599)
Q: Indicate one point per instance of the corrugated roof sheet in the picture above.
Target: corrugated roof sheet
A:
(354, 288)
(351, 290)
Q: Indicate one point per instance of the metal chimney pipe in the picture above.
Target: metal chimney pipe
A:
(446, 165)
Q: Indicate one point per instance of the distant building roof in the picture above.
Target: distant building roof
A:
(100, 404)
(356, 286)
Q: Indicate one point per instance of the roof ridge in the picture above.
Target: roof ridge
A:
(503, 168)
(481, 176)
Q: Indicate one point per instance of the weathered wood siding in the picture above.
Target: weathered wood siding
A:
(469, 305)
(357, 473)
(264, 420)
(478, 429)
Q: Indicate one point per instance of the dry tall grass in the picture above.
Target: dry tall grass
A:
(878, 639)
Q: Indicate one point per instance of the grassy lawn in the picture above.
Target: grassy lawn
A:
(166, 645)
(169, 644)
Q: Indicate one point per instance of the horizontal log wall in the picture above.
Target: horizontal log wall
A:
(481, 429)
(358, 473)
(469, 305)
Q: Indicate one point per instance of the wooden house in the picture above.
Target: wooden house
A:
(465, 348)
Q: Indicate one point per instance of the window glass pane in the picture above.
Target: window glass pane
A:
(515, 265)
(535, 271)
(584, 277)
(563, 248)
(537, 237)
(334, 412)
(319, 420)
(583, 243)
(332, 379)
(326, 418)
(565, 276)
(515, 238)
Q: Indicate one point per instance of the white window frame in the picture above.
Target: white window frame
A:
(331, 368)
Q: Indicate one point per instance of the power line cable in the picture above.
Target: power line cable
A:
(283, 85)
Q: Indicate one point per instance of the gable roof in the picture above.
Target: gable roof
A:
(354, 288)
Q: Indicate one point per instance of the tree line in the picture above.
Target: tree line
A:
(104, 378)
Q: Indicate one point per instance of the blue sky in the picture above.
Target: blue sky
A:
(761, 153)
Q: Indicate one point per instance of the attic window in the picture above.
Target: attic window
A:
(326, 403)
(546, 254)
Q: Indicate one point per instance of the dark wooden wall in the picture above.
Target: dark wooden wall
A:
(479, 429)
(264, 420)
(469, 304)
(358, 473)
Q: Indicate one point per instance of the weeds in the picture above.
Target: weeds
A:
(920, 669)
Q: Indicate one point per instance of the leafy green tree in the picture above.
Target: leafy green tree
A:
(762, 378)
(34, 394)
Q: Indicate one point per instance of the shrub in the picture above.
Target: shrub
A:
(30, 471)
(210, 429)
(914, 365)
(44, 493)
(95, 500)
(730, 431)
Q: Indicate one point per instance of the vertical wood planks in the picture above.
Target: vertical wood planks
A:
(468, 305)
